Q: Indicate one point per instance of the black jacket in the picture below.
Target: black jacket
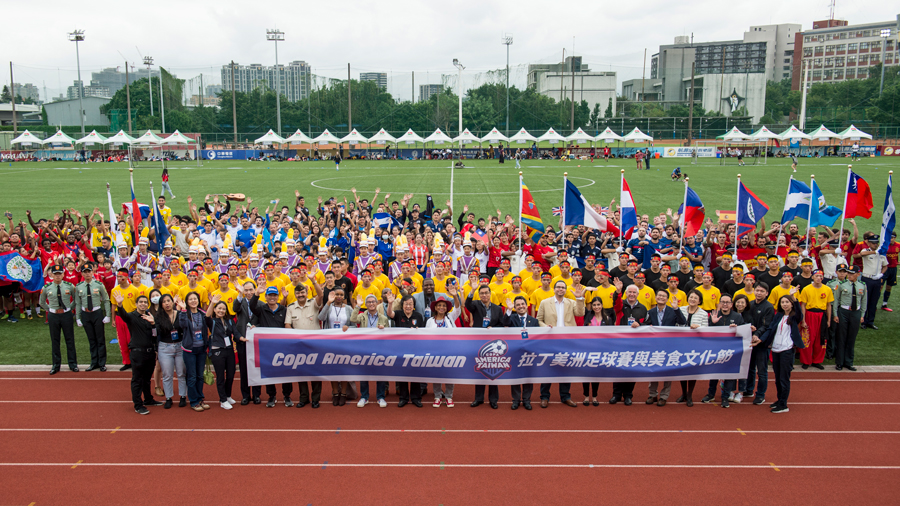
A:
(638, 312)
(141, 330)
(514, 320)
(267, 317)
(727, 319)
(671, 317)
(478, 313)
(768, 334)
(761, 315)
(241, 308)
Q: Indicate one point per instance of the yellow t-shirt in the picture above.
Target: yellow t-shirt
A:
(363, 292)
(506, 279)
(605, 294)
(816, 298)
(778, 292)
(743, 291)
(130, 293)
(228, 297)
(499, 293)
(529, 284)
(143, 289)
(567, 281)
(710, 297)
(440, 285)
(162, 290)
(647, 297)
(677, 299)
(180, 280)
(239, 281)
(201, 291)
(512, 297)
(97, 237)
(467, 289)
(277, 283)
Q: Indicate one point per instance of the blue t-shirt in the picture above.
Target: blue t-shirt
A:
(649, 250)
(636, 250)
(246, 236)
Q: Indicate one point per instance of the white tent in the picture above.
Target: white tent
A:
(27, 138)
(298, 137)
(91, 138)
(523, 136)
(793, 133)
(438, 136)
(637, 136)
(120, 138)
(580, 136)
(764, 133)
(495, 136)
(58, 138)
(733, 135)
(148, 138)
(854, 134)
(270, 138)
(326, 138)
(354, 137)
(608, 135)
(178, 138)
(466, 137)
(824, 134)
(552, 136)
(383, 136)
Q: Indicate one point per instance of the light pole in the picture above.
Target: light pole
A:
(459, 88)
(885, 33)
(275, 36)
(148, 61)
(507, 40)
(76, 37)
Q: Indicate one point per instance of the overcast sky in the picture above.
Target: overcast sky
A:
(394, 36)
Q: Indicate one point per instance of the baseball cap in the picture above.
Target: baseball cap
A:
(272, 290)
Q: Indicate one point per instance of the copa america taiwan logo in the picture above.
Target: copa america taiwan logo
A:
(492, 360)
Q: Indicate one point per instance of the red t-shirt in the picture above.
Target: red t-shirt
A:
(108, 278)
(893, 250)
(538, 252)
(496, 254)
(857, 248)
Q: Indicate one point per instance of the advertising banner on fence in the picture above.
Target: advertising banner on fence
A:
(12, 156)
(682, 152)
(502, 356)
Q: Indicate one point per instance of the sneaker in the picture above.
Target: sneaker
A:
(706, 399)
(225, 405)
(773, 406)
(288, 403)
(738, 397)
(362, 403)
(13, 319)
(450, 403)
(31, 317)
(730, 396)
(271, 403)
(142, 411)
(885, 308)
(725, 404)
(382, 403)
(232, 401)
(758, 401)
(437, 403)
(781, 410)
(152, 402)
(4, 316)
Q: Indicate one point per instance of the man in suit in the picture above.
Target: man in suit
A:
(244, 318)
(426, 297)
(634, 314)
(558, 311)
(485, 315)
(663, 315)
(520, 319)
(761, 314)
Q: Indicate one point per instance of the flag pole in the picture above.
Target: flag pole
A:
(737, 212)
(565, 191)
(885, 220)
(134, 211)
(113, 222)
(812, 194)
(155, 218)
(621, 209)
(781, 223)
(682, 217)
(844, 209)
(521, 227)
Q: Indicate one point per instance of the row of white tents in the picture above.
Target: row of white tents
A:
(149, 138)
(795, 134)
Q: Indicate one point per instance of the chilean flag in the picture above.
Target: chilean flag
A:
(859, 198)
(628, 213)
(692, 214)
(579, 212)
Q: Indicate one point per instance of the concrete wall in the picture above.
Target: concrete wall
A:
(592, 87)
(65, 112)
(752, 87)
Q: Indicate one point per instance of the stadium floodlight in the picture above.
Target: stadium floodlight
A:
(148, 61)
(507, 40)
(276, 36)
(459, 67)
(885, 33)
(76, 37)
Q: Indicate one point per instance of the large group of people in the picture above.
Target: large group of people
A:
(228, 266)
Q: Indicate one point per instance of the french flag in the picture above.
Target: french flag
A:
(579, 212)
(627, 211)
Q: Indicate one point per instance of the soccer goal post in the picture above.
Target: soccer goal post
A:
(751, 152)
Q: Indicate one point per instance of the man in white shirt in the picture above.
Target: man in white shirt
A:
(874, 267)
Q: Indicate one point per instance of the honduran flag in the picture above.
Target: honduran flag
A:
(859, 198)
(579, 212)
(692, 214)
(385, 220)
(531, 218)
(627, 212)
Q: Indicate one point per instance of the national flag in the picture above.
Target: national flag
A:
(136, 212)
(557, 211)
(692, 214)
(531, 218)
(750, 210)
(822, 214)
(797, 202)
(385, 220)
(888, 219)
(479, 235)
(158, 224)
(859, 198)
(14, 268)
(627, 212)
(143, 208)
(579, 212)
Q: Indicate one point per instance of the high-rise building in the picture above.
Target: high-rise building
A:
(835, 50)
(113, 80)
(89, 91)
(27, 91)
(380, 78)
(780, 43)
(213, 90)
(427, 90)
(556, 81)
(295, 78)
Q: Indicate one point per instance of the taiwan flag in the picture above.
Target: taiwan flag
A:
(859, 198)
(692, 213)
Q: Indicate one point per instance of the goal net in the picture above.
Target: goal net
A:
(160, 157)
(752, 152)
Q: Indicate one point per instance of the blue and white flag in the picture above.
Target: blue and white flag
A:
(888, 219)
(797, 202)
(822, 214)
(385, 220)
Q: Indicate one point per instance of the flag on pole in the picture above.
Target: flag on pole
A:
(627, 211)
(750, 210)
(158, 223)
(557, 211)
(143, 209)
(385, 220)
(692, 214)
(888, 219)
(797, 201)
(859, 198)
(822, 214)
(531, 218)
(136, 214)
(579, 212)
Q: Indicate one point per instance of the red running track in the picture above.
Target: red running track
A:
(75, 439)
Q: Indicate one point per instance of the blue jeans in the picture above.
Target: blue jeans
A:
(194, 364)
(759, 362)
(380, 389)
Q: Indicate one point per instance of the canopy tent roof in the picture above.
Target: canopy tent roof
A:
(793, 133)
(148, 138)
(580, 136)
(26, 138)
(383, 136)
(58, 138)
(354, 137)
(298, 136)
(823, 134)
(411, 136)
(270, 138)
(326, 138)
(120, 138)
(764, 133)
(853, 133)
(438, 136)
(608, 135)
(91, 138)
(494, 136)
(523, 135)
(466, 137)
(551, 135)
(733, 135)
(178, 138)
(637, 136)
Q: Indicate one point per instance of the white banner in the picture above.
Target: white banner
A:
(687, 152)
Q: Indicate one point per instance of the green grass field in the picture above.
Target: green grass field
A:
(46, 188)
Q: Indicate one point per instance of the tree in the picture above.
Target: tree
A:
(609, 110)
(595, 116)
